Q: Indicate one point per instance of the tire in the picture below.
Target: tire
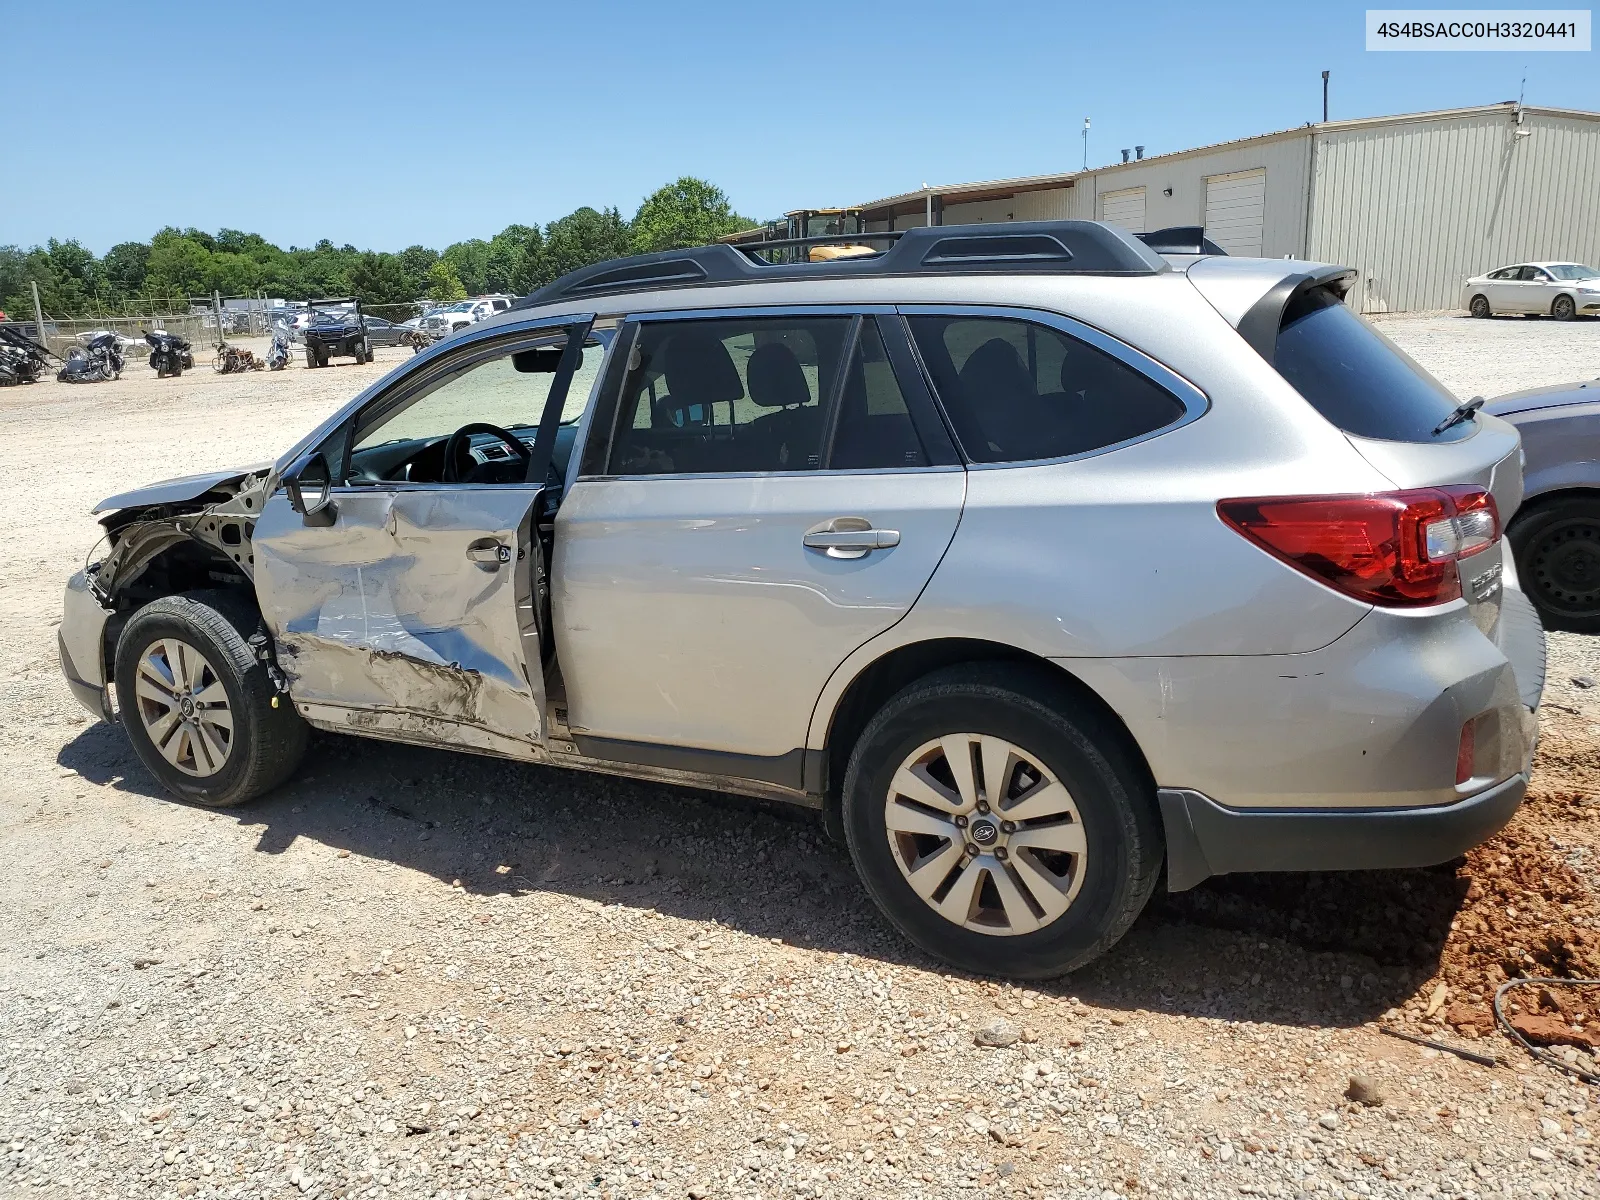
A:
(1557, 549)
(1479, 307)
(210, 764)
(311, 360)
(1042, 730)
(176, 371)
(1563, 308)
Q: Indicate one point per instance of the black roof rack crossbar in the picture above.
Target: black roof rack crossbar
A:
(1180, 239)
(1017, 247)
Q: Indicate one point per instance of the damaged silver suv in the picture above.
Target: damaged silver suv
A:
(1035, 561)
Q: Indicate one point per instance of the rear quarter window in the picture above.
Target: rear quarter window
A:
(1019, 391)
(1357, 378)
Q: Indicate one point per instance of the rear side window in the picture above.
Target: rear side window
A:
(1018, 390)
(743, 394)
(874, 430)
(1357, 378)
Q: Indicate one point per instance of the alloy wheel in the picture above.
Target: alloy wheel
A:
(985, 834)
(184, 707)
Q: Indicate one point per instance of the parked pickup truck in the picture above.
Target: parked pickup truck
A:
(1045, 571)
(455, 317)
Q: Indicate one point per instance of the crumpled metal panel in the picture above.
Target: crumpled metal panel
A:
(384, 616)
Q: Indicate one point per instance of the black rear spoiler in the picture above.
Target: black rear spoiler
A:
(1180, 239)
(1260, 325)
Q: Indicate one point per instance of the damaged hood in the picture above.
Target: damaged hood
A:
(176, 491)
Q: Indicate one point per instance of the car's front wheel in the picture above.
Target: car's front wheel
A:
(1563, 309)
(1000, 823)
(1479, 307)
(198, 705)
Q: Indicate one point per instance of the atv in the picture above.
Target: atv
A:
(336, 328)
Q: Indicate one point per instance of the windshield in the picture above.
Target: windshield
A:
(1357, 378)
(464, 306)
(1572, 271)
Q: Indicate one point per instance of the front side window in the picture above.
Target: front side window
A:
(408, 442)
(1018, 391)
(728, 395)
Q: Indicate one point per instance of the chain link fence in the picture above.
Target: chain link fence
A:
(195, 318)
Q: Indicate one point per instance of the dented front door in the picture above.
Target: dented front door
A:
(407, 609)
(411, 615)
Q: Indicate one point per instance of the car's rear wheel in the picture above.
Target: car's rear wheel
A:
(198, 705)
(1563, 309)
(1557, 548)
(1001, 824)
(1480, 307)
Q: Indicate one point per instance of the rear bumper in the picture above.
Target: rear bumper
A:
(1205, 839)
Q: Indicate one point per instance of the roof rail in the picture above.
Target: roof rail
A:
(1017, 247)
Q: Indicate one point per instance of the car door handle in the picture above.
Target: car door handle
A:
(489, 554)
(849, 537)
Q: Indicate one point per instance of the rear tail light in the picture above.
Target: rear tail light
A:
(1392, 548)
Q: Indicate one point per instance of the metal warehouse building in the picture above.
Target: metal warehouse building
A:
(1416, 203)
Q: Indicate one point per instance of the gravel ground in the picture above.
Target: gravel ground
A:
(410, 973)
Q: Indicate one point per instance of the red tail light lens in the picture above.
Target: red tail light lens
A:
(1393, 548)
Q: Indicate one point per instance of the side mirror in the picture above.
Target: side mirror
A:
(309, 483)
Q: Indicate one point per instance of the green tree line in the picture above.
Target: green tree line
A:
(519, 259)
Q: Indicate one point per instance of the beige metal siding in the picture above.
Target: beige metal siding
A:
(1283, 228)
(1235, 204)
(1052, 205)
(1418, 207)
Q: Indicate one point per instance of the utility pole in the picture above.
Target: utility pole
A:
(38, 315)
(1325, 97)
(1086, 143)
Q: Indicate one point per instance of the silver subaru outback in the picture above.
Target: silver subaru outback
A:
(1035, 561)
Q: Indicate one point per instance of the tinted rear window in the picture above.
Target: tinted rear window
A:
(1357, 378)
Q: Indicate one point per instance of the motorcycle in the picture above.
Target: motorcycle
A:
(99, 361)
(278, 355)
(169, 353)
(22, 360)
(231, 360)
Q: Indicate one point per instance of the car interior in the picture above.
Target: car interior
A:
(477, 451)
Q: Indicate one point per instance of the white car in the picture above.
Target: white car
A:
(456, 317)
(1561, 289)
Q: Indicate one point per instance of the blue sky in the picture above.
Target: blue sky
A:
(468, 116)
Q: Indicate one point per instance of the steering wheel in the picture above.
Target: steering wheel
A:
(458, 463)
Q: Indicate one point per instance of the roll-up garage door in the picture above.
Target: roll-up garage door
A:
(1124, 208)
(1234, 207)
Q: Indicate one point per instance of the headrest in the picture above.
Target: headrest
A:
(776, 378)
(995, 368)
(699, 370)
